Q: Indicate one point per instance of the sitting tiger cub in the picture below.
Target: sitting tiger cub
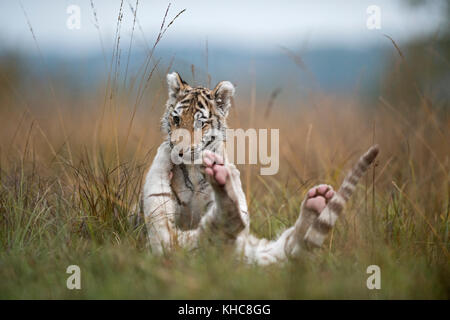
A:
(185, 203)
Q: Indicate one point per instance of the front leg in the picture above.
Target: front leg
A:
(160, 206)
(229, 215)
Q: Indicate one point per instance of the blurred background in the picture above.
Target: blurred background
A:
(243, 42)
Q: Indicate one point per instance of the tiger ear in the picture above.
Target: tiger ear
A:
(223, 93)
(175, 84)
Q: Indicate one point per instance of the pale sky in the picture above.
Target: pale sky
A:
(232, 23)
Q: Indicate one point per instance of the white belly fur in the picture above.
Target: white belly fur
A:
(194, 195)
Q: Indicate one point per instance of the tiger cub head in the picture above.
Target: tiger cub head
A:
(195, 117)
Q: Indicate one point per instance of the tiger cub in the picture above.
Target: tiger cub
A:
(187, 202)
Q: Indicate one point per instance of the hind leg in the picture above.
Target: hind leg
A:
(315, 201)
(290, 244)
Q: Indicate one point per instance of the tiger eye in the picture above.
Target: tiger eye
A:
(176, 120)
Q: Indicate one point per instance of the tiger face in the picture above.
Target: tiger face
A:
(195, 117)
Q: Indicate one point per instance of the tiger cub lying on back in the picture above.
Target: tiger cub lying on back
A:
(185, 204)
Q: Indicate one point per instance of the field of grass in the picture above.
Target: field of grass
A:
(67, 188)
(71, 169)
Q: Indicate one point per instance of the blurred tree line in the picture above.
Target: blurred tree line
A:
(419, 70)
(416, 71)
(11, 72)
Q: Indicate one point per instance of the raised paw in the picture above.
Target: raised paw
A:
(315, 201)
(214, 167)
(318, 197)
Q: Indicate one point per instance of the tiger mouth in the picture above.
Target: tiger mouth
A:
(189, 154)
(203, 146)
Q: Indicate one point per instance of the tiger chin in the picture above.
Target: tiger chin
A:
(193, 196)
